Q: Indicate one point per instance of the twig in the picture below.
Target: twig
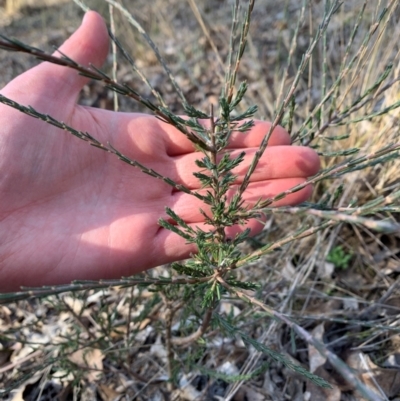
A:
(94, 142)
(153, 46)
(186, 341)
(336, 362)
(96, 74)
(20, 361)
(378, 225)
(231, 75)
(79, 320)
(322, 28)
(381, 302)
(339, 169)
(206, 32)
(170, 311)
(114, 53)
(29, 293)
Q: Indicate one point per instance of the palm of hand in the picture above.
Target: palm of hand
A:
(70, 211)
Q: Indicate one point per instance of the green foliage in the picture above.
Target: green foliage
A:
(194, 290)
(339, 257)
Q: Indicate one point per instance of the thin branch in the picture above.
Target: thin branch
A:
(94, 142)
(378, 225)
(206, 32)
(231, 75)
(186, 341)
(153, 46)
(339, 169)
(98, 75)
(20, 361)
(30, 293)
(292, 49)
(136, 69)
(303, 233)
(336, 362)
(114, 53)
(306, 57)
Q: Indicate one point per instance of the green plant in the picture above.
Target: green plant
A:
(197, 286)
(339, 257)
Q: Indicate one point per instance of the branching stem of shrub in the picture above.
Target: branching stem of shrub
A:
(336, 362)
(206, 32)
(128, 323)
(30, 293)
(96, 74)
(289, 95)
(210, 271)
(94, 142)
(169, 315)
(332, 172)
(79, 320)
(279, 243)
(186, 341)
(243, 41)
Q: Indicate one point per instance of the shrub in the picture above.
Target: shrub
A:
(334, 89)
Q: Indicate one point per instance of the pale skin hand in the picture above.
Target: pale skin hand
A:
(70, 211)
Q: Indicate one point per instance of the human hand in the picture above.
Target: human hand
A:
(70, 211)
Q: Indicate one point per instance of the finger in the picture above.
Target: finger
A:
(254, 137)
(51, 82)
(173, 247)
(178, 144)
(87, 45)
(187, 206)
(276, 162)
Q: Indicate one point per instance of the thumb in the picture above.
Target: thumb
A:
(88, 44)
(56, 84)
